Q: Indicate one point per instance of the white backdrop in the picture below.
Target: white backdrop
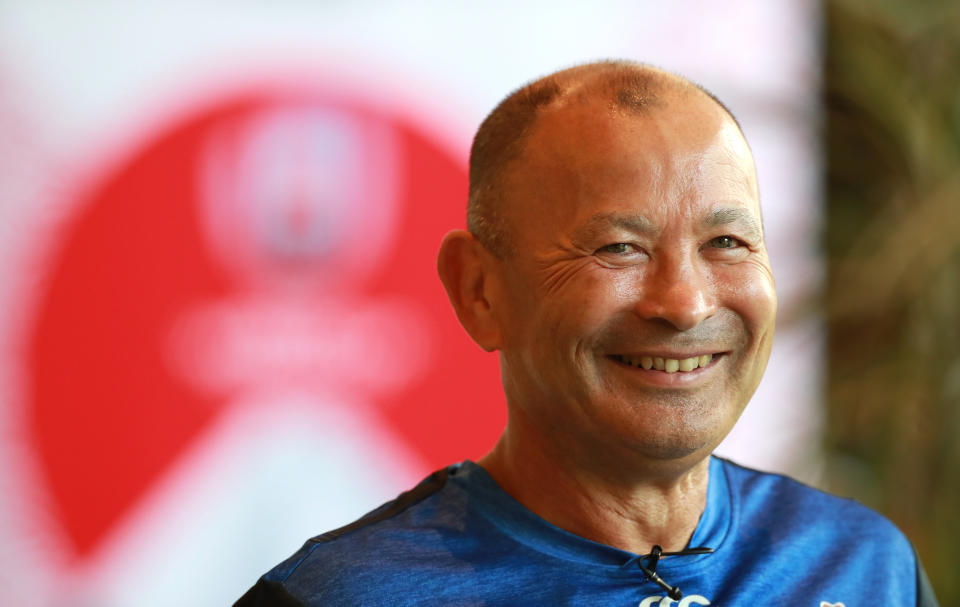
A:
(84, 84)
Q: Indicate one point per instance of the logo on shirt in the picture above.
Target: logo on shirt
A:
(687, 601)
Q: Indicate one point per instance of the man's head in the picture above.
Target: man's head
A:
(615, 222)
(625, 85)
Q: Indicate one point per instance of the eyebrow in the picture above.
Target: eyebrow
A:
(641, 224)
(728, 215)
(597, 224)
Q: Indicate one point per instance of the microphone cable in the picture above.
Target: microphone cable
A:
(650, 569)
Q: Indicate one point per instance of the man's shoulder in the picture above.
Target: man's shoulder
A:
(771, 500)
(389, 513)
(782, 522)
(362, 557)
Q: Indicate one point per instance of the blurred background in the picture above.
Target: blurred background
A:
(221, 330)
(892, 252)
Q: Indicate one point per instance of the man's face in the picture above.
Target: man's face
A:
(638, 242)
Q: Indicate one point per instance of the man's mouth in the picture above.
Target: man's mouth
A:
(668, 365)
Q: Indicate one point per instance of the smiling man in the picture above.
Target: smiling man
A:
(615, 259)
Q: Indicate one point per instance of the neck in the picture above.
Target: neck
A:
(630, 507)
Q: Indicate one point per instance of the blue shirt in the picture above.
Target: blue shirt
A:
(458, 539)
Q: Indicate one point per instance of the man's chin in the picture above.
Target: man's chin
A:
(672, 451)
(678, 432)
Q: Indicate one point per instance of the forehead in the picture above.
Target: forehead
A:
(684, 154)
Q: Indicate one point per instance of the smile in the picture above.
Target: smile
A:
(668, 365)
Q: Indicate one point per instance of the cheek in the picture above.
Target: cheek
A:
(569, 326)
(593, 301)
(748, 290)
(752, 298)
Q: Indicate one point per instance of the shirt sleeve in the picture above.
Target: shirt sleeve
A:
(925, 595)
(268, 594)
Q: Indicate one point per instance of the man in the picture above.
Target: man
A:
(615, 259)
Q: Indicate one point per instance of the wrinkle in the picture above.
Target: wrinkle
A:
(555, 275)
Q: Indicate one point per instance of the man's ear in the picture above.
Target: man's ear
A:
(464, 266)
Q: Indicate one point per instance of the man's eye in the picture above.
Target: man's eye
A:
(724, 242)
(617, 248)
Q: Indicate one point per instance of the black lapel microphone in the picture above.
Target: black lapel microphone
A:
(650, 568)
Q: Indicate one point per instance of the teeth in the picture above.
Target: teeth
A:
(670, 365)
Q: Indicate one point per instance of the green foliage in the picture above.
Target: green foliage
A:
(892, 84)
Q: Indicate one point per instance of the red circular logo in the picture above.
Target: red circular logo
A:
(270, 244)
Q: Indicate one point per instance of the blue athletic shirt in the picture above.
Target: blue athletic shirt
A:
(457, 539)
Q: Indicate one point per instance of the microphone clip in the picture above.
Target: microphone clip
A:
(650, 567)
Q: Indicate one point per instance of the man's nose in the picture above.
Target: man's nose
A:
(677, 292)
